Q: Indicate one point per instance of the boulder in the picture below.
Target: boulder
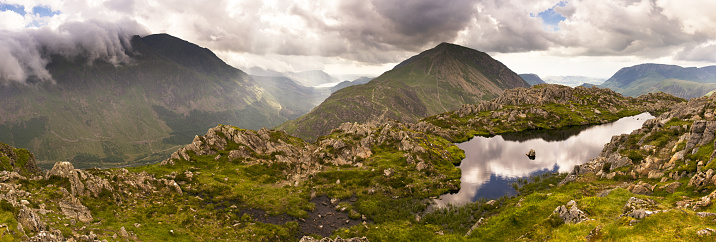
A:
(30, 220)
(476, 225)
(241, 152)
(641, 188)
(671, 187)
(73, 208)
(572, 214)
(48, 236)
(421, 166)
(531, 154)
(706, 232)
(640, 208)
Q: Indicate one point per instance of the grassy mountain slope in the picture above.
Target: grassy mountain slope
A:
(688, 82)
(102, 115)
(435, 81)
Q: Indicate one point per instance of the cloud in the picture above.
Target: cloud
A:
(376, 32)
(705, 53)
(24, 54)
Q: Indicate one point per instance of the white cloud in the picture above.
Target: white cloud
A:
(285, 34)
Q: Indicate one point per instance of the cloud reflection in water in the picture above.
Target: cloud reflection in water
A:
(492, 164)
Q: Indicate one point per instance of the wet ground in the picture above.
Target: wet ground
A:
(323, 220)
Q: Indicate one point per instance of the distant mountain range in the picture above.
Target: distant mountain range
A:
(435, 81)
(105, 115)
(344, 84)
(305, 78)
(573, 81)
(532, 79)
(683, 82)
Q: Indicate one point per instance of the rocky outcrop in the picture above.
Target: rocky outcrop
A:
(668, 147)
(549, 93)
(53, 235)
(706, 232)
(671, 187)
(81, 182)
(73, 208)
(348, 144)
(21, 166)
(572, 214)
(641, 188)
(30, 220)
(640, 208)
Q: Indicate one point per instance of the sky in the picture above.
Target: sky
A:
(547, 37)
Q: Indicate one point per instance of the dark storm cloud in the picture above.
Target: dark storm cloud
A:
(425, 21)
(374, 31)
(24, 54)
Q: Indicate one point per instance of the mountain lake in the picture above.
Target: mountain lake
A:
(492, 164)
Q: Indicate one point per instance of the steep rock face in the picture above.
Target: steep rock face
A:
(435, 81)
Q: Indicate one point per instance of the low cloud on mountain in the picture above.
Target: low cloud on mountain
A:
(24, 54)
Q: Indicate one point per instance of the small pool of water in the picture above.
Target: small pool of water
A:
(492, 164)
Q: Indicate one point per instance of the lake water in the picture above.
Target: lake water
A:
(492, 164)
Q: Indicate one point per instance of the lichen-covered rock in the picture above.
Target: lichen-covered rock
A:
(640, 208)
(671, 187)
(476, 225)
(641, 188)
(705, 232)
(81, 182)
(702, 178)
(53, 235)
(572, 214)
(30, 220)
(338, 239)
(73, 208)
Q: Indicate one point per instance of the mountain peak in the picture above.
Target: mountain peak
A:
(184, 53)
(435, 81)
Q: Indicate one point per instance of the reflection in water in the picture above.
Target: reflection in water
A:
(491, 165)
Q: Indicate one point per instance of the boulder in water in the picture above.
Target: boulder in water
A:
(531, 154)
